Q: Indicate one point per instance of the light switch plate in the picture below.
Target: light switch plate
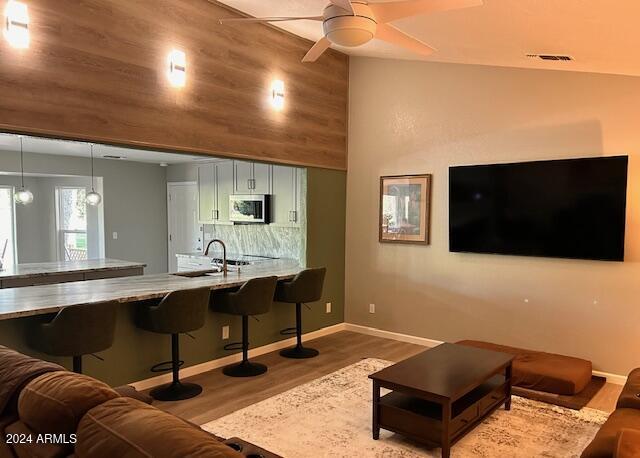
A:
(372, 308)
(225, 332)
(328, 307)
(115, 236)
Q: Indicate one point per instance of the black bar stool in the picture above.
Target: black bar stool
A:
(253, 298)
(76, 331)
(305, 287)
(179, 312)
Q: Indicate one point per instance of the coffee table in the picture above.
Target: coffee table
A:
(439, 395)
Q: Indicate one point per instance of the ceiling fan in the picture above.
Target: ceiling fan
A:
(353, 23)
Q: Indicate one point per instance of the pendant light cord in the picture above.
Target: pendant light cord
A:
(21, 163)
(92, 180)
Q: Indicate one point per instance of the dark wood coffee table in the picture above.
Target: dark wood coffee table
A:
(441, 394)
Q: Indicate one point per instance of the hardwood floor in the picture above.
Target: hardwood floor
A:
(223, 395)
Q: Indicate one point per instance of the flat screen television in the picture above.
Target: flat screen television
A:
(570, 208)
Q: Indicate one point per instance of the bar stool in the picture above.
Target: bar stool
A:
(305, 287)
(75, 331)
(178, 312)
(253, 298)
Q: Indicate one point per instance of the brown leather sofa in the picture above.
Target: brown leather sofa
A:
(48, 412)
(619, 437)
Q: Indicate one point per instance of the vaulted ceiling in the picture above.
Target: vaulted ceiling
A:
(602, 36)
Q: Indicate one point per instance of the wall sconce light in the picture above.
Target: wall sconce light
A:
(277, 94)
(16, 25)
(177, 68)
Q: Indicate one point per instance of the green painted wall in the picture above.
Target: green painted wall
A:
(135, 350)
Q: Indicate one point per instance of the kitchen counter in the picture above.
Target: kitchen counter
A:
(42, 269)
(40, 300)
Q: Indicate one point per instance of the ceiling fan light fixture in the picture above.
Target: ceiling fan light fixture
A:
(350, 31)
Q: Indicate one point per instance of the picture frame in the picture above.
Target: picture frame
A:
(405, 209)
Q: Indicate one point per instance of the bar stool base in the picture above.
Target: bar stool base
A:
(299, 353)
(176, 391)
(245, 369)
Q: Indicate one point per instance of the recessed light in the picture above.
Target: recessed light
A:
(163, 164)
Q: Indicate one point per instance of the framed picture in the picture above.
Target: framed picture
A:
(405, 209)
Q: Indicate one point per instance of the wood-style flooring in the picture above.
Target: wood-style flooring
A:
(222, 395)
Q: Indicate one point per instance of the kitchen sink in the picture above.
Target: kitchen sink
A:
(198, 273)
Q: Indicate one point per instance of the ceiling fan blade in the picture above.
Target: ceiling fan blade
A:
(316, 51)
(268, 19)
(344, 4)
(392, 11)
(394, 36)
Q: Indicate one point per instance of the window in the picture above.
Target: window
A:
(71, 223)
(7, 226)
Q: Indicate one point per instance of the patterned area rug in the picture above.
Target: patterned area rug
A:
(331, 417)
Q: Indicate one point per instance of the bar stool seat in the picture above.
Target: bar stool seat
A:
(178, 312)
(305, 287)
(75, 331)
(253, 298)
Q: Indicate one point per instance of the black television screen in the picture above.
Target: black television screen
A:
(571, 208)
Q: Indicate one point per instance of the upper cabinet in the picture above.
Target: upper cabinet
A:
(286, 195)
(207, 193)
(218, 180)
(215, 184)
(251, 178)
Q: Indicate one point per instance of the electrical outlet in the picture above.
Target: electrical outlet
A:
(372, 308)
(115, 236)
(225, 332)
(328, 307)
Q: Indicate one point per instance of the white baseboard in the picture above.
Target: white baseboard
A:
(392, 335)
(611, 378)
(235, 358)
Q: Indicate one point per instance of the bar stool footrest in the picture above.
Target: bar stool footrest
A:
(289, 332)
(233, 346)
(165, 366)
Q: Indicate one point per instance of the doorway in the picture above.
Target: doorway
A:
(185, 233)
(7, 227)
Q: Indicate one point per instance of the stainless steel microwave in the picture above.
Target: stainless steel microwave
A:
(247, 209)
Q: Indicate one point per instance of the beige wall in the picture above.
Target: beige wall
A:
(411, 117)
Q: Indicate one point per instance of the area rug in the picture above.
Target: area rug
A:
(331, 417)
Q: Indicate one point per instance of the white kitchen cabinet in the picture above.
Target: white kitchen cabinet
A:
(224, 186)
(207, 193)
(286, 195)
(215, 184)
(251, 178)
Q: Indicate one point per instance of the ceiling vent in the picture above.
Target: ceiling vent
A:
(111, 156)
(550, 57)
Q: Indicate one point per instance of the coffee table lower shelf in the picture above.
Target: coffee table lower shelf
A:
(423, 420)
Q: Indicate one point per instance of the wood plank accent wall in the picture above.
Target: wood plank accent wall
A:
(96, 70)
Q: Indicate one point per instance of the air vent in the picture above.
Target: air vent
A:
(550, 57)
(111, 156)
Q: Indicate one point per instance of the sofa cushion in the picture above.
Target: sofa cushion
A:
(541, 371)
(55, 402)
(36, 449)
(629, 396)
(604, 443)
(127, 428)
(628, 444)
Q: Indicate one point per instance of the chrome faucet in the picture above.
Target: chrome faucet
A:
(224, 253)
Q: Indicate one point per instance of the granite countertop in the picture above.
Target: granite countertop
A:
(41, 269)
(40, 300)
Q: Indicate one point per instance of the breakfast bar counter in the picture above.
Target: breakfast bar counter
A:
(44, 299)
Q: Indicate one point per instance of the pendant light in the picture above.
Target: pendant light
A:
(23, 196)
(93, 198)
